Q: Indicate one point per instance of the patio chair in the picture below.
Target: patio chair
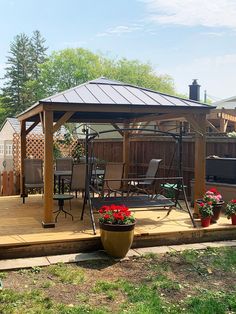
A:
(113, 172)
(78, 184)
(146, 185)
(33, 177)
(78, 178)
(63, 164)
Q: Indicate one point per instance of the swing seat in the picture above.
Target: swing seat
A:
(137, 201)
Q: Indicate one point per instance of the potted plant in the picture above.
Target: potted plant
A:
(230, 211)
(116, 224)
(206, 212)
(215, 197)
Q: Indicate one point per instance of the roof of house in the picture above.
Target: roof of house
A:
(227, 103)
(15, 124)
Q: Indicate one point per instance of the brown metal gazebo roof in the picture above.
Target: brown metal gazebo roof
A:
(104, 99)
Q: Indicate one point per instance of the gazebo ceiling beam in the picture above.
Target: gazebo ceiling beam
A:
(209, 124)
(148, 112)
(41, 120)
(193, 120)
(62, 120)
(122, 108)
(159, 117)
(115, 126)
(143, 126)
(32, 126)
(33, 112)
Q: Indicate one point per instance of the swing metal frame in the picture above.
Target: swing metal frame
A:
(147, 201)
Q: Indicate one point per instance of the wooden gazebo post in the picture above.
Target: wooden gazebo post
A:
(126, 150)
(198, 122)
(48, 221)
(23, 156)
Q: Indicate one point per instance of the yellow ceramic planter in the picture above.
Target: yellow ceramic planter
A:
(117, 239)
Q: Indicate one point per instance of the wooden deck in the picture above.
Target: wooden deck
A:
(21, 232)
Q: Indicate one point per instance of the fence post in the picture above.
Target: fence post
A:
(4, 183)
(10, 183)
(17, 183)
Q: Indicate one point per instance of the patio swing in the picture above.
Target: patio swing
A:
(174, 183)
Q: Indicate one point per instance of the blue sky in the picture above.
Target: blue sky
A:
(183, 38)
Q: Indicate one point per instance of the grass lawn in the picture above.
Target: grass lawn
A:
(202, 281)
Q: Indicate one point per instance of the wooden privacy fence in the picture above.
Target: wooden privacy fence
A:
(9, 183)
(143, 149)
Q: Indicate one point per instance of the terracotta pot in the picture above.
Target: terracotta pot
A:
(216, 211)
(233, 219)
(117, 239)
(206, 221)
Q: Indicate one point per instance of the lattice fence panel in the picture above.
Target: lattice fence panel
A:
(35, 148)
(16, 152)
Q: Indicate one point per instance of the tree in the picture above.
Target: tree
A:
(18, 72)
(21, 79)
(38, 53)
(141, 74)
(37, 57)
(70, 67)
(2, 111)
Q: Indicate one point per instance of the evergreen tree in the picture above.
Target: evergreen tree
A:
(21, 79)
(38, 53)
(37, 57)
(18, 72)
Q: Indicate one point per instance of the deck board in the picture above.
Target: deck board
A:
(20, 226)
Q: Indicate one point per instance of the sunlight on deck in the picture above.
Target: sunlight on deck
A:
(21, 223)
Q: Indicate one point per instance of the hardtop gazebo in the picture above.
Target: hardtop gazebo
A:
(108, 101)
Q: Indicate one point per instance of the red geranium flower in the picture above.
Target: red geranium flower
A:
(214, 190)
(116, 214)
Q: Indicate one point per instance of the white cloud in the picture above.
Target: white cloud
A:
(217, 13)
(214, 74)
(214, 34)
(121, 29)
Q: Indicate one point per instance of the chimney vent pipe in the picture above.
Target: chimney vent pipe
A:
(194, 90)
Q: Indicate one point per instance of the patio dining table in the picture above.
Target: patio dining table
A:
(61, 198)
